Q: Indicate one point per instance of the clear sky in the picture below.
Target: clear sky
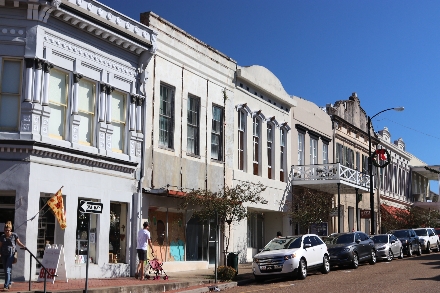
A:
(386, 51)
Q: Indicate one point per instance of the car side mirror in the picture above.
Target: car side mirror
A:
(307, 245)
(393, 241)
(357, 240)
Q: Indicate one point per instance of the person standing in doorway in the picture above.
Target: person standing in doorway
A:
(8, 243)
(143, 241)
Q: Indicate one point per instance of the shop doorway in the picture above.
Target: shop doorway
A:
(203, 240)
(7, 213)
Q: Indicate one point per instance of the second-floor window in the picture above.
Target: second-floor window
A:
(217, 133)
(282, 153)
(118, 101)
(301, 148)
(269, 150)
(313, 151)
(86, 109)
(58, 97)
(10, 97)
(325, 153)
(193, 125)
(166, 117)
(256, 144)
(241, 139)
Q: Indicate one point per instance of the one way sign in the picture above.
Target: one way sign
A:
(90, 207)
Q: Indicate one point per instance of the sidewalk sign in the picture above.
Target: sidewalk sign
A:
(55, 263)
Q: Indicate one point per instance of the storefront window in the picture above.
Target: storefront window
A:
(83, 234)
(117, 234)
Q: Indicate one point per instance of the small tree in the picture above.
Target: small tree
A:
(310, 206)
(227, 205)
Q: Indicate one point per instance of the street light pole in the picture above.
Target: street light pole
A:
(370, 168)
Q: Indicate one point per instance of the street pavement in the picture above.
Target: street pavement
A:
(195, 281)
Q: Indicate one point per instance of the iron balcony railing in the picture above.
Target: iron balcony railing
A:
(326, 172)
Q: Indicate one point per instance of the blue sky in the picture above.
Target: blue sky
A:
(386, 51)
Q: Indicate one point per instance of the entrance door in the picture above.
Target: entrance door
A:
(201, 240)
(7, 213)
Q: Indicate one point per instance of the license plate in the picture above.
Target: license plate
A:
(266, 268)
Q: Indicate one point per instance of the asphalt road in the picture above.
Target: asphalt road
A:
(410, 274)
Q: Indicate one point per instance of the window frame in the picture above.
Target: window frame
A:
(313, 150)
(325, 152)
(17, 95)
(256, 144)
(124, 122)
(283, 154)
(218, 133)
(301, 147)
(241, 133)
(93, 126)
(195, 127)
(169, 143)
(66, 106)
(270, 149)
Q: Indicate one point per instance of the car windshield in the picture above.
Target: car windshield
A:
(421, 232)
(283, 243)
(340, 239)
(380, 239)
(401, 234)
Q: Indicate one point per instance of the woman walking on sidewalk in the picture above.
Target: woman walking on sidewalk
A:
(8, 242)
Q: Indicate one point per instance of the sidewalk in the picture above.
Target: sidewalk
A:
(196, 281)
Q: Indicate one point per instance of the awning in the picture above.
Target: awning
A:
(393, 211)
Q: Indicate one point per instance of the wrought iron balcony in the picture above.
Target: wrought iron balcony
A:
(325, 177)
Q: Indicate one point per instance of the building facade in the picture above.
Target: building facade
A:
(72, 115)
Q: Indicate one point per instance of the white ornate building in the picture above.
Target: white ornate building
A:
(72, 80)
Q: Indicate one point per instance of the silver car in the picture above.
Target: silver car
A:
(387, 246)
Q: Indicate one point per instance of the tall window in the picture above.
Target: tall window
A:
(118, 121)
(166, 117)
(217, 133)
(256, 125)
(193, 125)
(241, 138)
(86, 109)
(117, 233)
(313, 151)
(358, 161)
(58, 91)
(269, 149)
(282, 153)
(325, 153)
(300, 148)
(10, 89)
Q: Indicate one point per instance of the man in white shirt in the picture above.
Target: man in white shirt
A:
(143, 241)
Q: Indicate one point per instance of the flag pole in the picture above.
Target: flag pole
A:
(31, 219)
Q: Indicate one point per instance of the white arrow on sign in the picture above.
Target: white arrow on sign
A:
(90, 207)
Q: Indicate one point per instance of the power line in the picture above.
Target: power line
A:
(415, 130)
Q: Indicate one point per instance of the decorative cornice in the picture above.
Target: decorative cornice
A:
(47, 66)
(90, 55)
(244, 107)
(77, 77)
(273, 121)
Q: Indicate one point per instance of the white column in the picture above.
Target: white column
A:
(139, 102)
(132, 119)
(46, 68)
(102, 101)
(110, 89)
(76, 78)
(29, 80)
(37, 81)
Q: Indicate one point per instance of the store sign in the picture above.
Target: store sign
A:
(90, 207)
(365, 214)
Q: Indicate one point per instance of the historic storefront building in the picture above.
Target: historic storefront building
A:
(72, 100)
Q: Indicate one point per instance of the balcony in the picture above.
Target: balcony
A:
(325, 177)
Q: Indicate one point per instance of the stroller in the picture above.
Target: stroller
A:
(155, 267)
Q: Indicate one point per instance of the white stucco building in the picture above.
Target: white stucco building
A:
(72, 79)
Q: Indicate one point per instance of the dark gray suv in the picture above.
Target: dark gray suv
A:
(410, 241)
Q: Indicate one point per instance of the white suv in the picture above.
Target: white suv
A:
(291, 256)
(428, 239)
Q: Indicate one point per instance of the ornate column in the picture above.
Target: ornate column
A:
(132, 118)
(139, 103)
(37, 81)
(76, 119)
(29, 78)
(102, 100)
(45, 113)
(109, 133)
(102, 126)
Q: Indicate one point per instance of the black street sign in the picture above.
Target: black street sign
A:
(90, 207)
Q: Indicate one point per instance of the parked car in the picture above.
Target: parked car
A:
(410, 241)
(351, 249)
(428, 239)
(387, 246)
(291, 256)
(437, 231)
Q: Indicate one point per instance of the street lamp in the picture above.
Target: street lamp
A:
(370, 167)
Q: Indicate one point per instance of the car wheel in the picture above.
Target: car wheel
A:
(325, 265)
(410, 251)
(390, 255)
(428, 248)
(259, 279)
(401, 253)
(302, 269)
(419, 250)
(355, 261)
(373, 257)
